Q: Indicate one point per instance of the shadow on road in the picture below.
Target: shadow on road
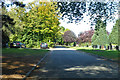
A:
(68, 63)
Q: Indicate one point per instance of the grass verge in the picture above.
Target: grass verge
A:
(19, 52)
(110, 54)
(16, 62)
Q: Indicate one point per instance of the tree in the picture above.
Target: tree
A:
(100, 24)
(102, 10)
(96, 41)
(115, 35)
(8, 23)
(69, 37)
(18, 15)
(85, 37)
(40, 24)
(94, 38)
(73, 10)
(59, 38)
(103, 37)
(100, 36)
(96, 10)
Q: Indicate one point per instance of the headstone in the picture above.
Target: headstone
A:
(74, 44)
(95, 46)
(117, 48)
(98, 47)
(7, 46)
(104, 47)
(110, 46)
(87, 46)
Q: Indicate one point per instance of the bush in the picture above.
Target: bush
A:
(50, 44)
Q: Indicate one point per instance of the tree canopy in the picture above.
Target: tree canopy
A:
(39, 24)
(96, 10)
(39, 21)
(85, 36)
(69, 36)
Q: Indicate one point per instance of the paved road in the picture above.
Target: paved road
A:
(69, 63)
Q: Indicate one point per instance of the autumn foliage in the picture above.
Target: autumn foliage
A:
(85, 36)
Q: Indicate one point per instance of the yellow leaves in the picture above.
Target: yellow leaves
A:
(43, 25)
(46, 29)
(46, 9)
(39, 9)
(50, 31)
(42, 31)
(27, 14)
(52, 27)
(30, 24)
(38, 13)
(40, 2)
(36, 30)
(47, 22)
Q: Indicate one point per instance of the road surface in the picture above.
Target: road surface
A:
(69, 63)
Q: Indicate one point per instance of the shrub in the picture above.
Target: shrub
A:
(50, 44)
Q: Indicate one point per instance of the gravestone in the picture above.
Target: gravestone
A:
(74, 44)
(100, 46)
(117, 47)
(104, 47)
(110, 46)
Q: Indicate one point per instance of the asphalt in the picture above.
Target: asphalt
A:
(69, 63)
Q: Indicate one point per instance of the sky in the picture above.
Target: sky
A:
(82, 26)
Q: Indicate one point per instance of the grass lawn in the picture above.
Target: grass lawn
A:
(19, 52)
(111, 54)
(16, 62)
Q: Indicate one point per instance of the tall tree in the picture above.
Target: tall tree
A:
(115, 35)
(103, 37)
(18, 15)
(41, 23)
(7, 23)
(100, 36)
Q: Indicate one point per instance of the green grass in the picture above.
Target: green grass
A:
(111, 54)
(19, 52)
(65, 46)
